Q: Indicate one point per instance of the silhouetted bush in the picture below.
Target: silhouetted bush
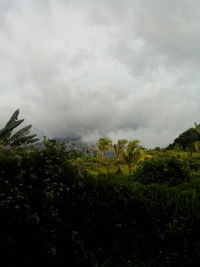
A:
(52, 214)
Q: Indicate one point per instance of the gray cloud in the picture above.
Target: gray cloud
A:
(123, 69)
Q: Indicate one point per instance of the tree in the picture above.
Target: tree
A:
(132, 154)
(104, 144)
(20, 137)
(185, 141)
(197, 143)
(197, 127)
(118, 150)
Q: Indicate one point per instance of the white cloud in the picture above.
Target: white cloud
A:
(125, 69)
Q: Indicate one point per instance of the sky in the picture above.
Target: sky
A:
(110, 68)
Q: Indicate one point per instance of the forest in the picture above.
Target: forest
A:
(111, 204)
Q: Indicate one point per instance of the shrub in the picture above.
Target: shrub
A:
(54, 215)
(168, 170)
(35, 186)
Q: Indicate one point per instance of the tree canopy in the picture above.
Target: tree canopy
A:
(104, 144)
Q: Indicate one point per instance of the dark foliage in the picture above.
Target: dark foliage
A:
(168, 170)
(53, 215)
(184, 140)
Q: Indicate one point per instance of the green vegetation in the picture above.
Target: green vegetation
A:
(118, 150)
(188, 140)
(21, 137)
(104, 144)
(60, 207)
(133, 154)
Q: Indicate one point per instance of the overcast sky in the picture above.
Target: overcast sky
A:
(116, 68)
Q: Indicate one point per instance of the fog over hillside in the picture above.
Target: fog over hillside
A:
(116, 68)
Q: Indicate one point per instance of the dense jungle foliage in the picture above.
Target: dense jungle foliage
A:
(63, 207)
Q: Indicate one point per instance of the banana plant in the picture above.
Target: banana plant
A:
(21, 137)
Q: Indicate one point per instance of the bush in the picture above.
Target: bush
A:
(54, 215)
(194, 162)
(35, 185)
(168, 170)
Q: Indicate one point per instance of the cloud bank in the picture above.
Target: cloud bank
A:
(116, 68)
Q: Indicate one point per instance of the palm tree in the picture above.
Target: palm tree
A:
(104, 144)
(118, 150)
(20, 137)
(132, 154)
